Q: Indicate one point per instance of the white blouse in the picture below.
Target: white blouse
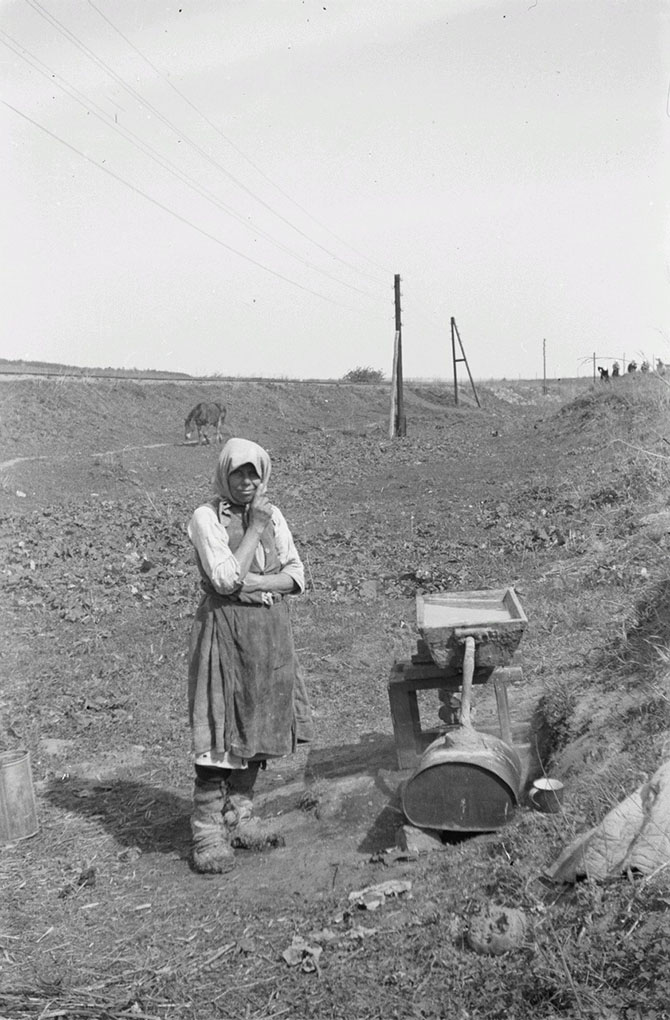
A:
(210, 540)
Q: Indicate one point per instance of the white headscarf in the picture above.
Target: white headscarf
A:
(234, 454)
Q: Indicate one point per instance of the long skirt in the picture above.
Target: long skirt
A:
(246, 692)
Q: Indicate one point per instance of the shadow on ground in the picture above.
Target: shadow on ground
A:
(134, 813)
(373, 752)
(356, 787)
(348, 792)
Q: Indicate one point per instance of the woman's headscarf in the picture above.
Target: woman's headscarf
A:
(234, 454)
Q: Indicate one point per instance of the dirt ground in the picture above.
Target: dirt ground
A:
(102, 915)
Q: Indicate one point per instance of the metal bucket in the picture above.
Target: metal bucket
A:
(466, 781)
(18, 814)
(464, 786)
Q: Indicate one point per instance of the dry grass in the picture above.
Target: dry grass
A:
(105, 919)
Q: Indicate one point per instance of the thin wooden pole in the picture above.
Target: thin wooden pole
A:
(544, 366)
(453, 358)
(401, 421)
(394, 389)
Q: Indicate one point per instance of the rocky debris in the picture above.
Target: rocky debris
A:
(374, 896)
(368, 590)
(656, 526)
(419, 841)
(496, 930)
(303, 955)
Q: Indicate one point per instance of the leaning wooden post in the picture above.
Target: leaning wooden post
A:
(454, 335)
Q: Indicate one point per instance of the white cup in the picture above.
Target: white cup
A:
(546, 795)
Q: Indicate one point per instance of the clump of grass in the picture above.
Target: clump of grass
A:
(553, 722)
(647, 634)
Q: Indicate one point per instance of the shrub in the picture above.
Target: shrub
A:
(364, 375)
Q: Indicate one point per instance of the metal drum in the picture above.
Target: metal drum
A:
(463, 785)
(466, 781)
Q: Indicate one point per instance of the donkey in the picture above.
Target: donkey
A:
(202, 416)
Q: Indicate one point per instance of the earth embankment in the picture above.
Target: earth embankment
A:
(565, 501)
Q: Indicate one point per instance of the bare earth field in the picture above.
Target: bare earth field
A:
(101, 915)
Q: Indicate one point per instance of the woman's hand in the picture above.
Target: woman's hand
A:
(260, 510)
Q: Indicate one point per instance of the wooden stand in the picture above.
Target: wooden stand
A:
(407, 678)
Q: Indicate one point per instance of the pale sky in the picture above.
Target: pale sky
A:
(230, 185)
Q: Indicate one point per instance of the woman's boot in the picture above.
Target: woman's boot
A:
(245, 830)
(212, 852)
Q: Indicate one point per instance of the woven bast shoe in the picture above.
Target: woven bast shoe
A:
(211, 851)
(245, 830)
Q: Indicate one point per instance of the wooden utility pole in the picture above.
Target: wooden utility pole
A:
(544, 366)
(455, 335)
(594, 366)
(398, 425)
(394, 388)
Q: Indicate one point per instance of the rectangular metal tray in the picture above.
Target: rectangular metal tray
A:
(494, 617)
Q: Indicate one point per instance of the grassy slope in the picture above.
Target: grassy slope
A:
(567, 530)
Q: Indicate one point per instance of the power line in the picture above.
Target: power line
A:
(229, 141)
(178, 216)
(37, 7)
(148, 150)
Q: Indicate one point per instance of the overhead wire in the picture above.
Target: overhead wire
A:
(232, 144)
(92, 107)
(51, 19)
(178, 216)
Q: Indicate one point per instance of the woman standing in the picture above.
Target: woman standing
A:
(247, 700)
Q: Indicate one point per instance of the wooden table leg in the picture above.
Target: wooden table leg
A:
(406, 722)
(500, 688)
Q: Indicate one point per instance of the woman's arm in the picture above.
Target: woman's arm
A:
(291, 577)
(229, 571)
(281, 582)
(210, 541)
(226, 569)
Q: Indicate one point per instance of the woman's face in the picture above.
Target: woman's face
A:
(243, 482)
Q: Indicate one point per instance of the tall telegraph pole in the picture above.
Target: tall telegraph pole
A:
(400, 422)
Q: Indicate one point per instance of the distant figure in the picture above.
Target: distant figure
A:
(632, 366)
(201, 416)
(615, 369)
(660, 367)
(644, 367)
(604, 374)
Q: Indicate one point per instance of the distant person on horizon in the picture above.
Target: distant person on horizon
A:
(247, 700)
(615, 369)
